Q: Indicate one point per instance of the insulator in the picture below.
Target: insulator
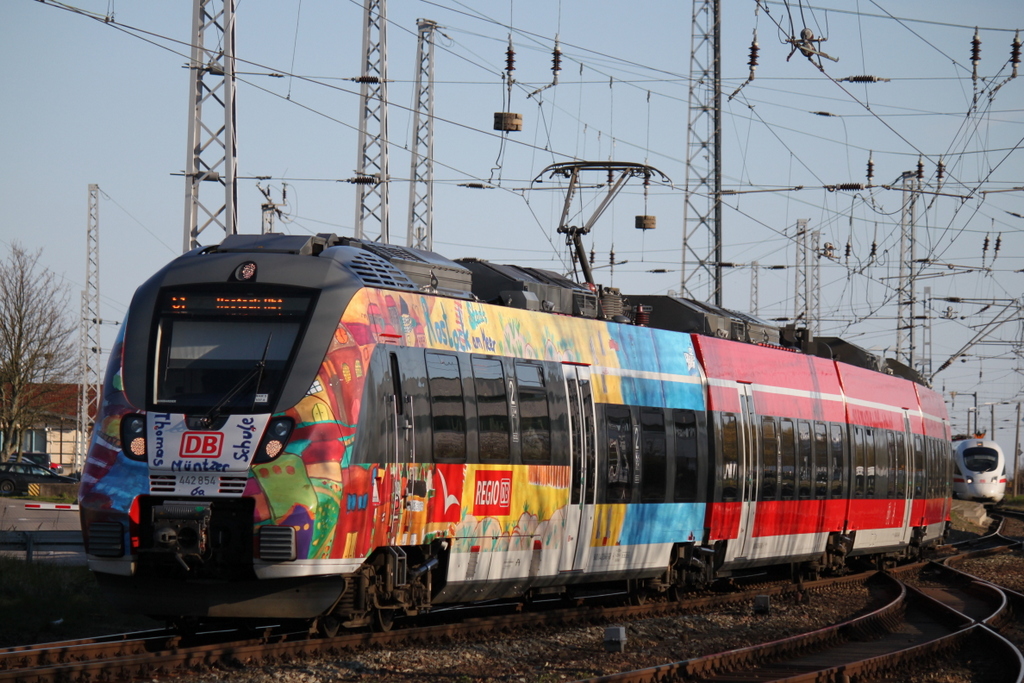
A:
(510, 58)
(874, 249)
(754, 49)
(871, 169)
(984, 245)
(864, 79)
(920, 169)
(975, 48)
(823, 113)
(940, 171)
(363, 180)
(642, 315)
(848, 187)
(1015, 53)
(849, 250)
(999, 243)
(556, 59)
(592, 254)
(367, 79)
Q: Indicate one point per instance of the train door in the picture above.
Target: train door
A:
(406, 487)
(904, 477)
(749, 470)
(579, 525)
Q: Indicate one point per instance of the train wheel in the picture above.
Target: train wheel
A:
(383, 619)
(328, 626)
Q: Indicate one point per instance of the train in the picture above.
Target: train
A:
(980, 474)
(343, 431)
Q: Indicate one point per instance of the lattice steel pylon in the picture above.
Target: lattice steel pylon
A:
(906, 305)
(421, 175)
(702, 210)
(212, 146)
(90, 351)
(807, 285)
(372, 165)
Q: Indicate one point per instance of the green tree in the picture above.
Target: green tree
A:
(37, 349)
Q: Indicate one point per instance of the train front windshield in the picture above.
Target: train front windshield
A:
(225, 351)
(980, 459)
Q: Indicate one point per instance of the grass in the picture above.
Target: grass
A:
(42, 602)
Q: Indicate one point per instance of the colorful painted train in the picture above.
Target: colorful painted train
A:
(322, 428)
(980, 471)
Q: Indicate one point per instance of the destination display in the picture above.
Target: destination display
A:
(233, 304)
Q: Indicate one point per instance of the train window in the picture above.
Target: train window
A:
(859, 462)
(981, 459)
(730, 456)
(820, 460)
(918, 466)
(892, 463)
(534, 418)
(787, 449)
(447, 409)
(836, 453)
(770, 454)
(620, 450)
(900, 463)
(226, 350)
(869, 463)
(803, 458)
(686, 456)
(653, 457)
(492, 409)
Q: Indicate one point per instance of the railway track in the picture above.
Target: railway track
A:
(943, 611)
(156, 653)
(903, 613)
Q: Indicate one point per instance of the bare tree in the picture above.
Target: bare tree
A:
(37, 350)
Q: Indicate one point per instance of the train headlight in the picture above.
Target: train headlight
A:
(275, 438)
(969, 480)
(133, 436)
(244, 272)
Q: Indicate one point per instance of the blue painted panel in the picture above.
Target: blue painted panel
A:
(662, 523)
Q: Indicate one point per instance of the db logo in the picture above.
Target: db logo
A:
(493, 495)
(201, 444)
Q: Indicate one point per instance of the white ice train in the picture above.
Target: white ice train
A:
(981, 474)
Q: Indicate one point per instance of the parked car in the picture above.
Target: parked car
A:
(16, 476)
(41, 459)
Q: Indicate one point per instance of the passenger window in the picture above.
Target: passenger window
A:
(685, 456)
(492, 409)
(820, 461)
(803, 454)
(787, 449)
(918, 466)
(730, 457)
(652, 452)
(859, 462)
(869, 463)
(534, 418)
(448, 413)
(836, 449)
(620, 454)
(770, 452)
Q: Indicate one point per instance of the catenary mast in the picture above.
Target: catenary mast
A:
(372, 170)
(212, 147)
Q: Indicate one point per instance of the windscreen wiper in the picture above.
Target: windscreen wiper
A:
(256, 371)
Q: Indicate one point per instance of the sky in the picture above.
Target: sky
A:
(88, 100)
